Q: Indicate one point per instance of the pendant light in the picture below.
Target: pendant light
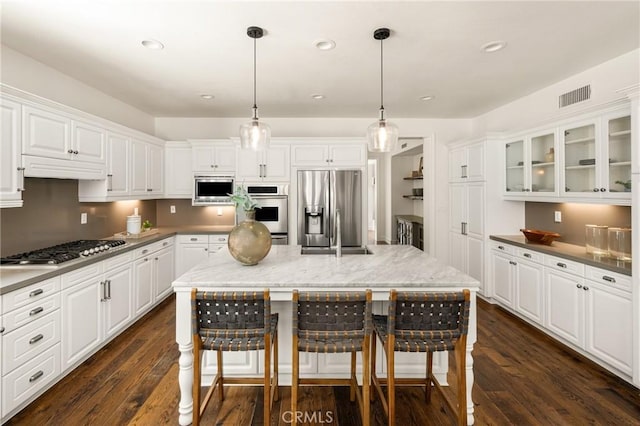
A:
(254, 134)
(382, 136)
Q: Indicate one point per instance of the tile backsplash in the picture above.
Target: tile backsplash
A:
(574, 217)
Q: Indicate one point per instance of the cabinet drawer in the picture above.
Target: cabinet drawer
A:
(564, 265)
(26, 342)
(218, 239)
(153, 247)
(32, 293)
(531, 255)
(193, 239)
(611, 279)
(82, 275)
(29, 313)
(19, 385)
(502, 247)
(117, 261)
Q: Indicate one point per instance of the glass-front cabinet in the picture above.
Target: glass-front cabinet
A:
(597, 158)
(531, 165)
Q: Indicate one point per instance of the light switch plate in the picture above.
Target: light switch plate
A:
(173, 209)
(83, 218)
(557, 217)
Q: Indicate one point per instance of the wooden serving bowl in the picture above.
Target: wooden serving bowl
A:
(540, 237)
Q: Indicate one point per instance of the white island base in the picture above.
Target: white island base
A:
(403, 268)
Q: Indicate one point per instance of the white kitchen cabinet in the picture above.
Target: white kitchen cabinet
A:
(191, 250)
(11, 170)
(117, 185)
(143, 277)
(329, 154)
(218, 242)
(146, 169)
(466, 229)
(179, 173)
(504, 278)
(81, 315)
(530, 165)
(270, 165)
(117, 298)
(55, 146)
(529, 290)
(466, 163)
(164, 272)
(153, 274)
(213, 156)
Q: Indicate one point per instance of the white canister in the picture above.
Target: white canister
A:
(134, 224)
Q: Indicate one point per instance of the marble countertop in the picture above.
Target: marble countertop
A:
(567, 251)
(284, 268)
(16, 277)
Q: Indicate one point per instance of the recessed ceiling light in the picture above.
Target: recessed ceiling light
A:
(494, 46)
(324, 44)
(207, 96)
(427, 98)
(318, 97)
(152, 44)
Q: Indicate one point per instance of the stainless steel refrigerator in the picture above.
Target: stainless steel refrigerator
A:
(322, 195)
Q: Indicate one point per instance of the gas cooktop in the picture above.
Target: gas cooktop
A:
(61, 253)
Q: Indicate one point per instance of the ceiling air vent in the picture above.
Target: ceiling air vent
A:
(575, 96)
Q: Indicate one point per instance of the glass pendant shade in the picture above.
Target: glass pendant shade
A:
(382, 136)
(255, 135)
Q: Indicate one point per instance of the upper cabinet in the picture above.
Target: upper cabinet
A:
(329, 155)
(56, 146)
(213, 156)
(147, 169)
(531, 165)
(11, 171)
(466, 164)
(579, 161)
(270, 165)
(178, 175)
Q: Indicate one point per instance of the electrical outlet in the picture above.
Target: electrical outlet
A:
(83, 218)
(173, 209)
(557, 217)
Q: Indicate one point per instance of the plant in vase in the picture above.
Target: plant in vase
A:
(249, 241)
(626, 185)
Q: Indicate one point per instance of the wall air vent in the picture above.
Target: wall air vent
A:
(575, 96)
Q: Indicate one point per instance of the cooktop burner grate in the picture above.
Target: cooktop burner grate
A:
(60, 253)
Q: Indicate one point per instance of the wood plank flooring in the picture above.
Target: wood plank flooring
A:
(522, 378)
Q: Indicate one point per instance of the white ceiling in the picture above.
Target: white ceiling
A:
(434, 49)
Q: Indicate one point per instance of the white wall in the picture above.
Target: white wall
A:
(25, 73)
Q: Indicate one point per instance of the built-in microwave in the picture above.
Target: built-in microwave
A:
(212, 190)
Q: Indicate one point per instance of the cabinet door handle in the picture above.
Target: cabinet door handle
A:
(464, 171)
(36, 339)
(212, 166)
(165, 244)
(562, 265)
(206, 249)
(511, 262)
(501, 247)
(585, 288)
(21, 170)
(608, 278)
(603, 189)
(108, 289)
(109, 183)
(1, 330)
(146, 259)
(595, 190)
(35, 293)
(76, 152)
(36, 376)
(579, 285)
(149, 189)
(264, 174)
(103, 290)
(527, 255)
(36, 311)
(69, 151)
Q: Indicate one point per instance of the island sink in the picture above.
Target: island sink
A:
(332, 250)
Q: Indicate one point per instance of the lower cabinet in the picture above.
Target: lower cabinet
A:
(587, 308)
(117, 299)
(191, 250)
(153, 275)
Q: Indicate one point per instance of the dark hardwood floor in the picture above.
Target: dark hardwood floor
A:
(522, 378)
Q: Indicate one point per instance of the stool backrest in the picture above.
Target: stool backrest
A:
(322, 315)
(230, 314)
(430, 315)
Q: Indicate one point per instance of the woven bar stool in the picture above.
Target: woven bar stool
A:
(230, 321)
(333, 323)
(423, 322)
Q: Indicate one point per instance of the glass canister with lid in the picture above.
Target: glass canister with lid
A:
(620, 244)
(596, 240)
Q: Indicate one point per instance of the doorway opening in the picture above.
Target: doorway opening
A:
(372, 201)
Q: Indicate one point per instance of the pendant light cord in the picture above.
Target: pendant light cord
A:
(255, 106)
(381, 77)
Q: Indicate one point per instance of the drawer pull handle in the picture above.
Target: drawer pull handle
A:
(36, 339)
(501, 247)
(562, 265)
(165, 244)
(1, 330)
(608, 278)
(221, 239)
(145, 251)
(36, 311)
(527, 255)
(193, 239)
(36, 376)
(511, 262)
(35, 293)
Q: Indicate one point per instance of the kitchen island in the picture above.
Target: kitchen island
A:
(285, 269)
